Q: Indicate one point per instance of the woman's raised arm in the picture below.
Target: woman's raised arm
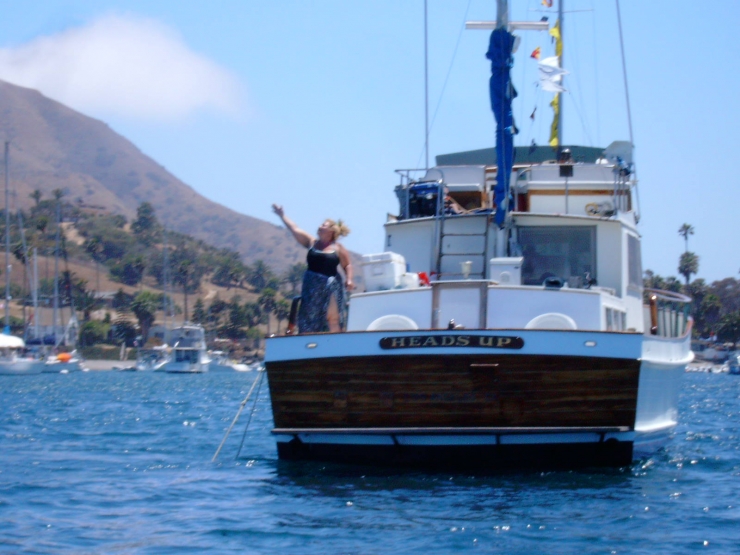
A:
(301, 236)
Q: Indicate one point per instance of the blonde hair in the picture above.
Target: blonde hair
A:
(338, 228)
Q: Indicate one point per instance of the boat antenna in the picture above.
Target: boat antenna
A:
(426, 90)
(629, 110)
(7, 246)
(624, 73)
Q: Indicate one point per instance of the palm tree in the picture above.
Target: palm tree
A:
(729, 328)
(282, 312)
(36, 196)
(94, 246)
(259, 275)
(267, 302)
(684, 231)
(144, 307)
(294, 276)
(688, 264)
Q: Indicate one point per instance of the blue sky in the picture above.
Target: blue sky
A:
(313, 105)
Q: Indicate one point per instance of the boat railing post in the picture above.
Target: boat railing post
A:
(653, 314)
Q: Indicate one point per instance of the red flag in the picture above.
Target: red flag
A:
(547, 3)
(536, 53)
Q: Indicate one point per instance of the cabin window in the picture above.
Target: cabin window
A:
(616, 320)
(568, 253)
(634, 260)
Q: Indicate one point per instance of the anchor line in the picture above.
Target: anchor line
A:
(233, 423)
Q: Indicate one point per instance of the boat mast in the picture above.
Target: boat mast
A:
(426, 91)
(560, 103)
(7, 246)
(35, 293)
(55, 316)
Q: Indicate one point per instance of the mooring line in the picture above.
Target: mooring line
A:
(251, 414)
(244, 402)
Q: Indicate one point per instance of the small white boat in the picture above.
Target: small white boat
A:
(220, 362)
(733, 363)
(63, 363)
(152, 359)
(12, 359)
(710, 351)
(189, 354)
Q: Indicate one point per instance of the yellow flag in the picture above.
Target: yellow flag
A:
(554, 127)
(555, 33)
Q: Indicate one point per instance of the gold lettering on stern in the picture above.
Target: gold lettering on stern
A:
(452, 340)
(397, 342)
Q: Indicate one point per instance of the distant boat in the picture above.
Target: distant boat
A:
(221, 362)
(13, 361)
(152, 359)
(710, 352)
(62, 363)
(189, 354)
(733, 363)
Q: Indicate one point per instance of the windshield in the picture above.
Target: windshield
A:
(568, 253)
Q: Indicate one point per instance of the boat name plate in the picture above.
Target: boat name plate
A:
(452, 340)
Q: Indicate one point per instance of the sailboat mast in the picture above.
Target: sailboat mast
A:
(35, 293)
(7, 245)
(426, 90)
(562, 65)
(55, 316)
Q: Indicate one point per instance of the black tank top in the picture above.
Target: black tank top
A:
(322, 262)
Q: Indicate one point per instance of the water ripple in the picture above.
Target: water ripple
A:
(107, 462)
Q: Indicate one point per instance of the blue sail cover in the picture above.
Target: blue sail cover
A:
(502, 93)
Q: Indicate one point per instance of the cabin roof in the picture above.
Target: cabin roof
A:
(522, 155)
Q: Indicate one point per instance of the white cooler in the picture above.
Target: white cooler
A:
(507, 270)
(383, 271)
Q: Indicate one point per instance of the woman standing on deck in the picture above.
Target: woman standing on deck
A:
(322, 297)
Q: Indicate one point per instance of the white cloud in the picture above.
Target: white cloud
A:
(122, 65)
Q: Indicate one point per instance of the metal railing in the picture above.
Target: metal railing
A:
(669, 312)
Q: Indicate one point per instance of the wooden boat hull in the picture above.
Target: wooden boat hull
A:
(472, 405)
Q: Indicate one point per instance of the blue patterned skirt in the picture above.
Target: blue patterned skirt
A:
(316, 294)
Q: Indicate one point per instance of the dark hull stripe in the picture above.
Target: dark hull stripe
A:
(478, 458)
(454, 391)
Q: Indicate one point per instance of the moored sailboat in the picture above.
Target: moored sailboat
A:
(533, 343)
(13, 360)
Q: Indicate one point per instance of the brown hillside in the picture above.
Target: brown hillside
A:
(55, 147)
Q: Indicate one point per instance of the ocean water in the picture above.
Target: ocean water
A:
(120, 462)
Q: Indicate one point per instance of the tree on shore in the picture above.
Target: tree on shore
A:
(294, 276)
(688, 265)
(144, 307)
(729, 328)
(36, 196)
(684, 231)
